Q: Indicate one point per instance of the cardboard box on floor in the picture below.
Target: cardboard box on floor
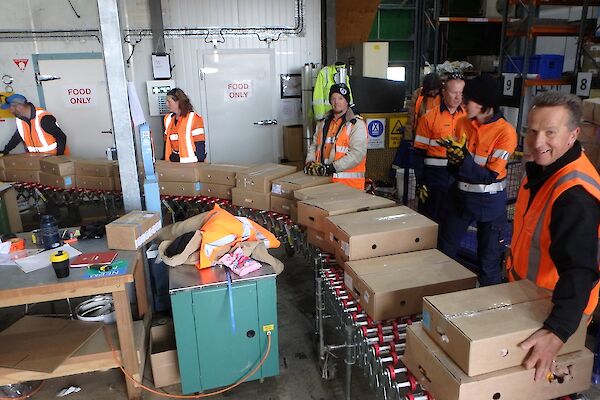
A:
(329, 190)
(58, 165)
(21, 175)
(591, 110)
(177, 172)
(220, 174)
(312, 212)
(95, 168)
(24, 161)
(8, 196)
(381, 232)
(132, 230)
(258, 178)
(105, 183)
(163, 355)
(179, 188)
(216, 190)
(440, 376)
(293, 143)
(287, 185)
(284, 206)
(480, 329)
(247, 198)
(58, 181)
(320, 240)
(394, 286)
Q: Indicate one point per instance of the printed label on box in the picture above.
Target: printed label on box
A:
(348, 281)
(197, 186)
(276, 188)
(345, 247)
(366, 297)
(68, 180)
(426, 320)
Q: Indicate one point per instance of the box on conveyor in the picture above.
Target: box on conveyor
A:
(58, 165)
(287, 185)
(250, 199)
(24, 161)
(104, 183)
(258, 178)
(285, 206)
(216, 190)
(58, 181)
(220, 174)
(328, 190)
(21, 175)
(95, 168)
(320, 240)
(177, 172)
(179, 188)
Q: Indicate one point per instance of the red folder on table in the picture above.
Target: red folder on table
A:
(87, 259)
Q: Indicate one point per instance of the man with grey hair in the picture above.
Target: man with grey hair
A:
(555, 232)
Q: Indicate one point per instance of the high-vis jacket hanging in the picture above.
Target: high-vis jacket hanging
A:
(530, 247)
(181, 137)
(35, 138)
(221, 231)
(438, 123)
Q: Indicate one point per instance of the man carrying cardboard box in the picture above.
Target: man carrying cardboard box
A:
(557, 216)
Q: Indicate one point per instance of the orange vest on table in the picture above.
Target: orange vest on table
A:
(530, 246)
(434, 125)
(221, 231)
(181, 138)
(36, 139)
(338, 134)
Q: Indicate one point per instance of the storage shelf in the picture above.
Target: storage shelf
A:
(475, 20)
(556, 2)
(547, 30)
(549, 82)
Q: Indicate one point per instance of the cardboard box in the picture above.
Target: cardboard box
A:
(480, 329)
(258, 179)
(330, 190)
(132, 230)
(22, 175)
(436, 372)
(298, 164)
(591, 110)
(105, 183)
(58, 165)
(394, 286)
(589, 136)
(118, 187)
(2, 175)
(381, 232)
(163, 355)
(98, 168)
(285, 186)
(57, 181)
(320, 240)
(247, 198)
(293, 143)
(312, 212)
(216, 190)
(284, 206)
(180, 188)
(24, 161)
(8, 195)
(177, 172)
(220, 174)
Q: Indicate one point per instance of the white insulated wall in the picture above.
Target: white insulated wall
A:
(291, 52)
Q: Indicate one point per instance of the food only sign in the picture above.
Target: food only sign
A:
(80, 96)
(238, 90)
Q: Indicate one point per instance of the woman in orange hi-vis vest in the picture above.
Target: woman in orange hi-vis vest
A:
(425, 98)
(184, 130)
(556, 225)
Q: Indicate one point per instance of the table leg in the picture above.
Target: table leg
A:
(139, 277)
(127, 342)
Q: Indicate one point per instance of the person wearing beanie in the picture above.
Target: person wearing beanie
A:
(36, 128)
(478, 162)
(339, 145)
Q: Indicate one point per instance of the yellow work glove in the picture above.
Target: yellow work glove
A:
(313, 168)
(422, 193)
(455, 150)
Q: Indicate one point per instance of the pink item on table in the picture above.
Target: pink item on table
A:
(239, 263)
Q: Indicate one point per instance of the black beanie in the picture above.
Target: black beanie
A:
(342, 89)
(483, 90)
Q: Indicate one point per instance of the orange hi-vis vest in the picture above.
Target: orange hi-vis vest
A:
(35, 138)
(529, 256)
(182, 137)
(338, 134)
(221, 231)
(434, 125)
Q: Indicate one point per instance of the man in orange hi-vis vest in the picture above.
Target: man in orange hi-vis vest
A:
(36, 128)
(339, 146)
(556, 226)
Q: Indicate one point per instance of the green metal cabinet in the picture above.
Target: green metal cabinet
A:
(211, 354)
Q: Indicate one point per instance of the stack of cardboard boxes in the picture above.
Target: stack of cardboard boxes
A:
(590, 130)
(57, 171)
(283, 189)
(293, 146)
(95, 174)
(178, 179)
(22, 167)
(467, 346)
(253, 185)
(219, 179)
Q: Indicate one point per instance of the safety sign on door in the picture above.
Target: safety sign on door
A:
(80, 96)
(238, 90)
(376, 129)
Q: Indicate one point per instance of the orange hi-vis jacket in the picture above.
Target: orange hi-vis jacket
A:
(420, 110)
(181, 137)
(490, 144)
(35, 138)
(530, 247)
(338, 144)
(436, 124)
(221, 231)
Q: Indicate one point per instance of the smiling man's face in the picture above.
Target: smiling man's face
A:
(549, 135)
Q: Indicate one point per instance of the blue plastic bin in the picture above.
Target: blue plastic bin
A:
(547, 66)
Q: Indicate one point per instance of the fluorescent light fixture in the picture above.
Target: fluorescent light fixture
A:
(396, 73)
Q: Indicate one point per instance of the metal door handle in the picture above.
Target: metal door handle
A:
(108, 131)
(266, 122)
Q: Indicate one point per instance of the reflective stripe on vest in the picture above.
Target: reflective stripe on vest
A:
(436, 162)
(481, 188)
(349, 175)
(187, 140)
(40, 134)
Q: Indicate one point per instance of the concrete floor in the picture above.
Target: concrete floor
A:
(299, 378)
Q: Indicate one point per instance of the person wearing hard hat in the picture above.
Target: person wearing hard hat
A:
(184, 130)
(339, 146)
(36, 128)
(478, 161)
(433, 179)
